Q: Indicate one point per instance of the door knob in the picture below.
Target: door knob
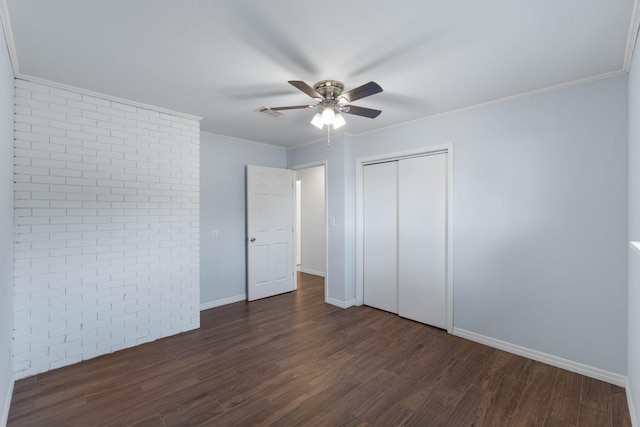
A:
(253, 239)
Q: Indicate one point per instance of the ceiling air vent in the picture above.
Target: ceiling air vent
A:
(269, 112)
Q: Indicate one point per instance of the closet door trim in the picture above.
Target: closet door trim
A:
(388, 157)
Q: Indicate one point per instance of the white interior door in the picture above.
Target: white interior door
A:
(380, 230)
(270, 257)
(422, 239)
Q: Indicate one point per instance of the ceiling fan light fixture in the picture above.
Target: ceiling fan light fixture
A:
(333, 101)
(328, 116)
(338, 122)
(317, 121)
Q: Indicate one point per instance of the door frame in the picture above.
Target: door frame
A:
(295, 168)
(361, 162)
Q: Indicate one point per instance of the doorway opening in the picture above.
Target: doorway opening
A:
(311, 221)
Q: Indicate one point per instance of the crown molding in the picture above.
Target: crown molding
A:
(246, 141)
(632, 37)
(634, 28)
(11, 47)
(8, 35)
(506, 99)
(82, 91)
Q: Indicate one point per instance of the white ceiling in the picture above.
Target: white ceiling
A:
(223, 59)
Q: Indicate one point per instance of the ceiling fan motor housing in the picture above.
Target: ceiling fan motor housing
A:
(329, 89)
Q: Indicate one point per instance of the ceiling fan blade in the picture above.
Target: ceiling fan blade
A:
(363, 91)
(292, 107)
(302, 86)
(362, 111)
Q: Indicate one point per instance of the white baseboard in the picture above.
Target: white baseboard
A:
(632, 410)
(223, 301)
(549, 359)
(310, 271)
(7, 403)
(341, 304)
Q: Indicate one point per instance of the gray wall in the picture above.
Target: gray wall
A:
(313, 225)
(634, 235)
(6, 228)
(340, 207)
(223, 161)
(540, 217)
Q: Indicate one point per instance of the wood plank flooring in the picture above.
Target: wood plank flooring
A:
(293, 360)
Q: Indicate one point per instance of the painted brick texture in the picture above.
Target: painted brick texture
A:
(107, 226)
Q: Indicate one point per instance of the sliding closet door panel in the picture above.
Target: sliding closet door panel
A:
(381, 236)
(422, 232)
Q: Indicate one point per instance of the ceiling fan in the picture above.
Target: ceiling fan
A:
(330, 96)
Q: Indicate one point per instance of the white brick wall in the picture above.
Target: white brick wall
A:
(107, 226)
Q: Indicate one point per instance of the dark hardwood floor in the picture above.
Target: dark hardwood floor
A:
(293, 360)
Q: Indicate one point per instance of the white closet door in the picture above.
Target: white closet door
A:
(422, 244)
(381, 236)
